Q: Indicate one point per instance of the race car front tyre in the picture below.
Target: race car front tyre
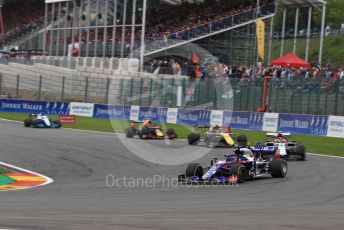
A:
(27, 122)
(278, 168)
(193, 138)
(57, 124)
(238, 170)
(171, 133)
(194, 169)
(301, 152)
(129, 132)
(242, 140)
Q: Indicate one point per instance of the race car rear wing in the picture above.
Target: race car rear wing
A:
(273, 135)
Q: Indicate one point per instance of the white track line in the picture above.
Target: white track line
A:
(102, 132)
(48, 179)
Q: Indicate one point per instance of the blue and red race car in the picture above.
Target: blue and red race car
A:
(244, 164)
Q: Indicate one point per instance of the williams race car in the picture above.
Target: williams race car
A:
(216, 136)
(41, 121)
(148, 130)
(286, 147)
(244, 164)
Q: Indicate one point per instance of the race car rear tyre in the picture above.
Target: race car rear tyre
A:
(144, 132)
(278, 168)
(193, 138)
(238, 170)
(194, 169)
(242, 140)
(301, 152)
(129, 132)
(171, 133)
(27, 122)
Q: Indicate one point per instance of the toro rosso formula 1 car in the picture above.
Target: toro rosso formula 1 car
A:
(282, 143)
(244, 164)
(216, 136)
(148, 130)
(41, 121)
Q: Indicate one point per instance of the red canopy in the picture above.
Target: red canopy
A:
(291, 60)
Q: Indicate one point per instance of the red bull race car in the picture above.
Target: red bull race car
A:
(148, 130)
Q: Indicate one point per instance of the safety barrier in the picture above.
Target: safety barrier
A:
(321, 125)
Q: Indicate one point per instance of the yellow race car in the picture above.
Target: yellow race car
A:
(216, 136)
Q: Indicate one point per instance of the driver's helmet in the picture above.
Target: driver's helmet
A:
(280, 135)
(147, 123)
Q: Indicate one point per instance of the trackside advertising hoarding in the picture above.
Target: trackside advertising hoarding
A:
(81, 109)
(307, 124)
(335, 126)
(53, 1)
(46, 107)
(321, 125)
(120, 112)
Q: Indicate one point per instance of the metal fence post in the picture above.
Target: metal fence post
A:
(172, 94)
(131, 91)
(1, 83)
(86, 90)
(184, 92)
(141, 91)
(336, 99)
(17, 87)
(150, 91)
(62, 88)
(40, 87)
(108, 90)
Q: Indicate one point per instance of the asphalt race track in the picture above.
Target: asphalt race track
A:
(310, 197)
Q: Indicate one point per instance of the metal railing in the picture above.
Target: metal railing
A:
(302, 96)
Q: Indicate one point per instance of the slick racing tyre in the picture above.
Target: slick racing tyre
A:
(171, 133)
(301, 152)
(194, 169)
(27, 122)
(144, 132)
(238, 170)
(129, 132)
(242, 140)
(57, 123)
(278, 168)
(193, 138)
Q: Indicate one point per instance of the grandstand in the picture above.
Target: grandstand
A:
(103, 39)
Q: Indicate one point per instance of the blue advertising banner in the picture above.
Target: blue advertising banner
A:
(193, 117)
(307, 124)
(121, 112)
(243, 120)
(46, 107)
(154, 114)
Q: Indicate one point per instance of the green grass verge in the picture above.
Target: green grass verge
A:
(314, 144)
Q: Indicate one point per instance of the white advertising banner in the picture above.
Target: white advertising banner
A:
(216, 117)
(81, 109)
(270, 122)
(53, 1)
(134, 112)
(172, 115)
(335, 126)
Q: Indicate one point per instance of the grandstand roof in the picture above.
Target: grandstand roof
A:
(300, 3)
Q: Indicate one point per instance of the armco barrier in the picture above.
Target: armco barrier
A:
(295, 123)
